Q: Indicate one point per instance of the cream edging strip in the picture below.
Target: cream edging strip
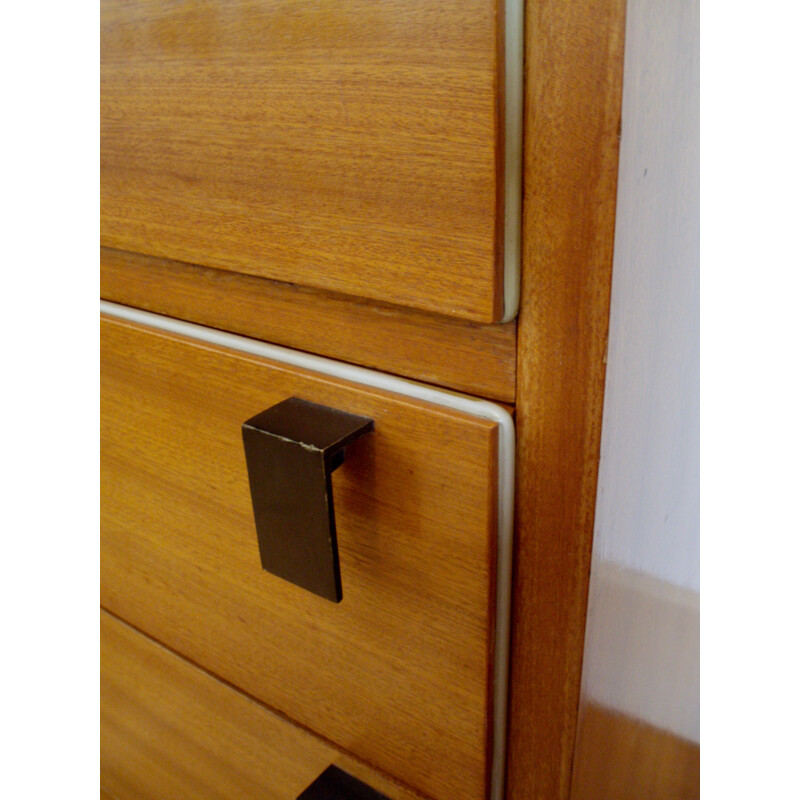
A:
(379, 380)
(512, 222)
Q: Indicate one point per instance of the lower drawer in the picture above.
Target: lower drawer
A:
(170, 730)
(404, 672)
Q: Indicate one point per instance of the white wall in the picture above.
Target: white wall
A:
(642, 647)
(649, 491)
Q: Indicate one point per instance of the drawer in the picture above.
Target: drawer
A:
(170, 730)
(407, 672)
(371, 149)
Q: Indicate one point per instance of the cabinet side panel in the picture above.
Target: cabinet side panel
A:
(572, 115)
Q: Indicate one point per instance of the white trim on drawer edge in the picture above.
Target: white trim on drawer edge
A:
(512, 211)
(418, 391)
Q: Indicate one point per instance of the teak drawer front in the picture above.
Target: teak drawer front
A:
(345, 145)
(170, 730)
(400, 672)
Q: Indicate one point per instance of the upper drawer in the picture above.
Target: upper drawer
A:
(407, 671)
(348, 145)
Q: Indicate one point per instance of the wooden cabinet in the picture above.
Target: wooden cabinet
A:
(337, 178)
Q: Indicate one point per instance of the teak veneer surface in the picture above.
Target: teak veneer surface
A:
(399, 672)
(171, 730)
(573, 94)
(465, 356)
(346, 145)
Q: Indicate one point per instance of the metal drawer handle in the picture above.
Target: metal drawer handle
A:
(334, 784)
(291, 451)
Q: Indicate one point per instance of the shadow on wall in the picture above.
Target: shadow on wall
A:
(624, 759)
(639, 726)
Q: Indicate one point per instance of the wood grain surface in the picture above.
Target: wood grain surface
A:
(171, 730)
(398, 673)
(346, 144)
(620, 758)
(572, 116)
(465, 356)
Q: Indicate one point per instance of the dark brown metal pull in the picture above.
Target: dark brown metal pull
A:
(334, 784)
(291, 451)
